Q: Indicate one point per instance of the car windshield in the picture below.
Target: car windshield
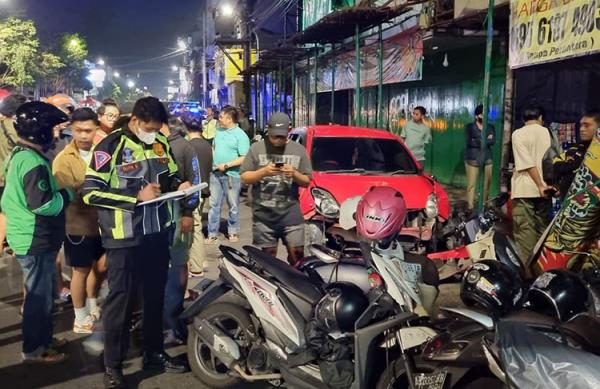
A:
(361, 155)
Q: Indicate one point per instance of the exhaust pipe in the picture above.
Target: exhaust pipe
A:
(221, 344)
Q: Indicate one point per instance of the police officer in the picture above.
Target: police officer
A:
(34, 209)
(131, 165)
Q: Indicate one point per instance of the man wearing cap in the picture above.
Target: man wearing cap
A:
(276, 167)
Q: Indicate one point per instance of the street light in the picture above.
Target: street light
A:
(73, 42)
(175, 68)
(227, 9)
(181, 44)
(116, 75)
(171, 82)
(100, 62)
(130, 84)
(145, 88)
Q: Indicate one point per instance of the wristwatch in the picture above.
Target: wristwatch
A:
(226, 166)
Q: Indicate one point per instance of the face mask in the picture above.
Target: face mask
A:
(146, 137)
(86, 155)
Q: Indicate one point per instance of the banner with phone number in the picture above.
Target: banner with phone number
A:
(549, 30)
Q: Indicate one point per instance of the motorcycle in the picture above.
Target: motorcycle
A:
(527, 355)
(251, 323)
(484, 239)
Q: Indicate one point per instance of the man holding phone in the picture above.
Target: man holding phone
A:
(276, 167)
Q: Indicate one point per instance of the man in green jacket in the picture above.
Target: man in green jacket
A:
(132, 165)
(35, 215)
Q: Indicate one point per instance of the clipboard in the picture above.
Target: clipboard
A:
(176, 195)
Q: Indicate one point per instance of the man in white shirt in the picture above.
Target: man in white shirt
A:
(531, 206)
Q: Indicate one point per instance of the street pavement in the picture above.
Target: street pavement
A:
(84, 368)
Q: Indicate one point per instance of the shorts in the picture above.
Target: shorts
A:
(82, 251)
(264, 236)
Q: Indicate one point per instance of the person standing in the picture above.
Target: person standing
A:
(276, 168)
(188, 168)
(83, 246)
(473, 156)
(204, 151)
(528, 189)
(210, 125)
(108, 113)
(8, 140)
(230, 146)
(566, 165)
(34, 209)
(417, 134)
(132, 165)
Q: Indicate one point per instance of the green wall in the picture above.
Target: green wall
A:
(450, 95)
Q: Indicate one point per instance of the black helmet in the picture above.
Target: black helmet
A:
(492, 285)
(35, 121)
(341, 306)
(558, 293)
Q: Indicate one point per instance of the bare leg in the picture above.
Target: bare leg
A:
(96, 277)
(2, 228)
(78, 286)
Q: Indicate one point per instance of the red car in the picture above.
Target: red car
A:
(347, 161)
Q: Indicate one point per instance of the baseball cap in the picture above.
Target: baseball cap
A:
(279, 124)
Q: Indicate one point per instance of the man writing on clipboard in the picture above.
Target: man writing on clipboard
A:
(134, 164)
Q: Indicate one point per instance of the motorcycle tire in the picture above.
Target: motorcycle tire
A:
(394, 376)
(197, 353)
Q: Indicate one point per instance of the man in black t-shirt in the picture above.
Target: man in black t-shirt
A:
(203, 150)
(276, 167)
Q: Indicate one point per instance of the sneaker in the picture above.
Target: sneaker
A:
(85, 327)
(233, 238)
(193, 274)
(65, 294)
(95, 313)
(211, 240)
(50, 357)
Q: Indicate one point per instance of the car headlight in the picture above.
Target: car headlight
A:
(325, 203)
(431, 206)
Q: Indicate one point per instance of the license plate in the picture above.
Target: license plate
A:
(433, 380)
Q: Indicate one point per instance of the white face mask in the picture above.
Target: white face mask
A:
(146, 137)
(86, 155)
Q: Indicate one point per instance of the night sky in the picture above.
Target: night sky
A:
(121, 32)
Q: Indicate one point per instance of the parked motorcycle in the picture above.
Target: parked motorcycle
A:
(483, 238)
(261, 319)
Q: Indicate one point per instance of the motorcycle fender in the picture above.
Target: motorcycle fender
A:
(411, 337)
(459, 252)
(478, 317)
(211, 293)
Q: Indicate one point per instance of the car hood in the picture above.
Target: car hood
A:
(414, 188)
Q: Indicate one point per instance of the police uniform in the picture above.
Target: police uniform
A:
(136, 237)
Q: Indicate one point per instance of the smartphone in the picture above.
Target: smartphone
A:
(279, 165)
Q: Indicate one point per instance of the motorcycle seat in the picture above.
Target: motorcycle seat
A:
(292, 279)
(583, 327)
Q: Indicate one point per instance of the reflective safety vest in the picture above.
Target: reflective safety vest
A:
(121, 165)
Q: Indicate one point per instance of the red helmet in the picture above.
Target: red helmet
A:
(380, 213)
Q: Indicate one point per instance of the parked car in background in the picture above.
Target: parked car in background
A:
(347, 161)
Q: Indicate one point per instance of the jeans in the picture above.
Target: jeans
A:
(221, 186)
(174, 296)
(39, 274)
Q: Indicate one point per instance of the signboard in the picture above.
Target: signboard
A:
(550, 30)
(402, 61)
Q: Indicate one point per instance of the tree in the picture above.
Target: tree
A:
(72, 52)
(19, 52)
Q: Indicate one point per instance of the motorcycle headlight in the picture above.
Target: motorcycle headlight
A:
(431, 206)
(325, 203)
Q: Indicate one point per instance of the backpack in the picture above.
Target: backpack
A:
(548, 160)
